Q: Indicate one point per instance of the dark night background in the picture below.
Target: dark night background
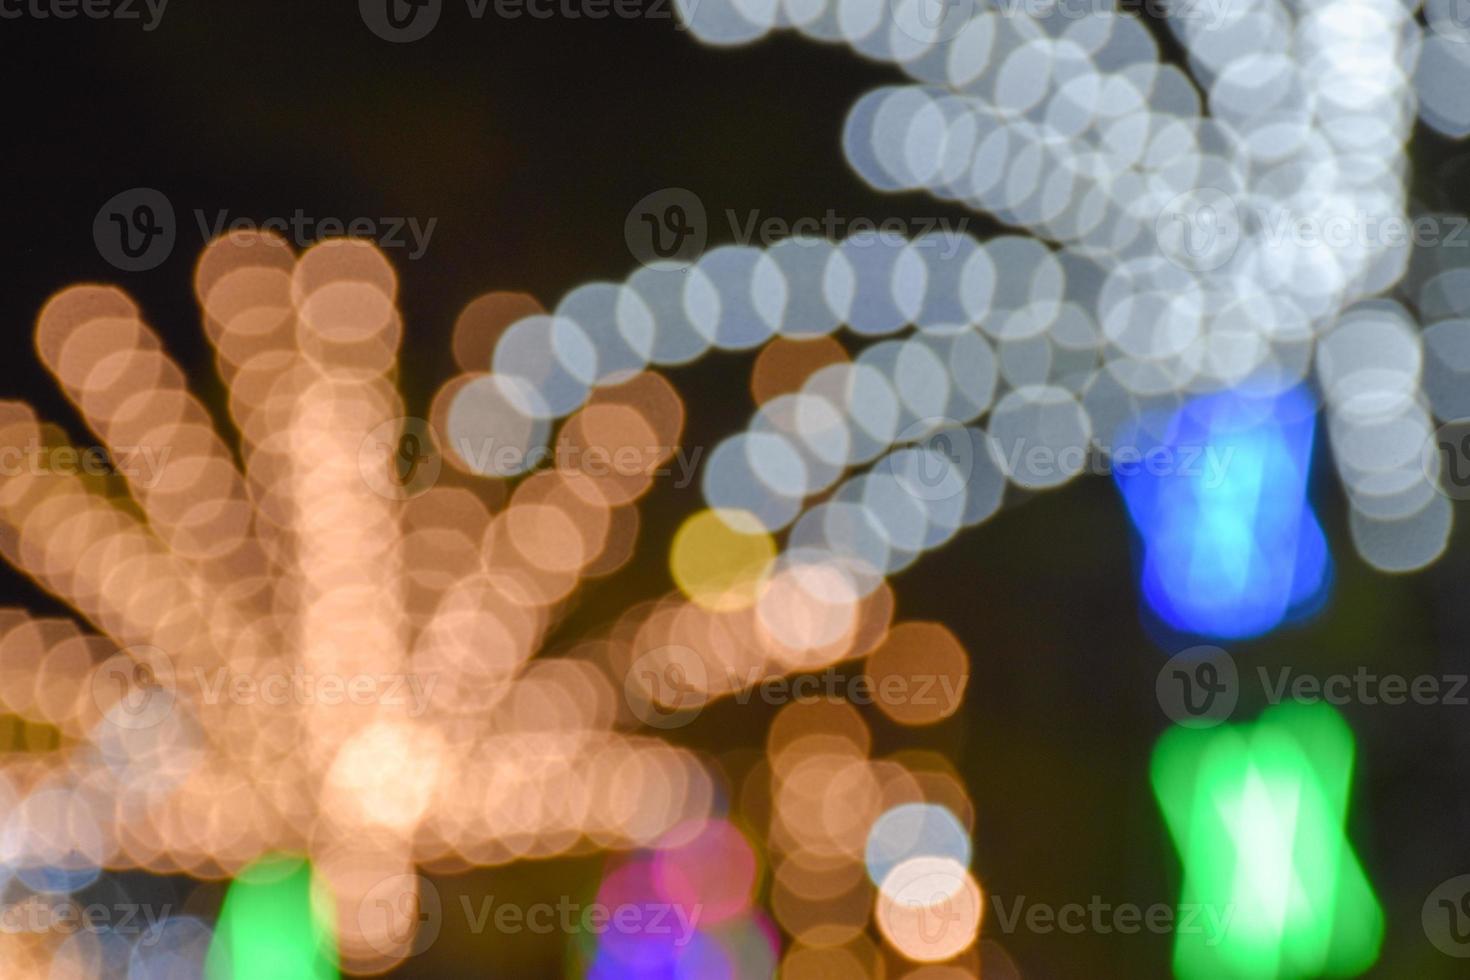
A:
(528, 141)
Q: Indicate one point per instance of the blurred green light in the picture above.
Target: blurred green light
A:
(1257, 812)
(270, 927)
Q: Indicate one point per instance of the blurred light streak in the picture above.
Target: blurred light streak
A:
(1217, 494)
(1257, 814)
(271, 926)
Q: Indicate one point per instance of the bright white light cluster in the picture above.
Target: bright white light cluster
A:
(1179, 248)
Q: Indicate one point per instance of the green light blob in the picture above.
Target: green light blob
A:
(1257, 812)
(272, 926)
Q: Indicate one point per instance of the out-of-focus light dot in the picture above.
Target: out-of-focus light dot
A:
(802, 262)
(816, 430)
(720, 557)
(921, 379)
(784, 365)
(1441, 77)
(759, 473)
(53, 840)
(714, 871)
(751, 943)
(657, 935)
(808, 606)
(1040, 436)
(918, 675)
(100, 954)
(929, 909)
(875, 282)
(890, 506)
(727, 22)
(1447, 368)
(173, 950)
(913, 830)
(490, 432)
(676, 339)
(1407, 544)
(861, 135)
(554, 358)
(821, 962)
(1028, 287)
(616, 323)
(747, 301)
(866, 397)
(841, 529)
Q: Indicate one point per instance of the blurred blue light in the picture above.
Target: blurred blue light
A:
(1218, 494)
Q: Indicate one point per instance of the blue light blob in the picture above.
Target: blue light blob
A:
(1217, 492)
(913, 830)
